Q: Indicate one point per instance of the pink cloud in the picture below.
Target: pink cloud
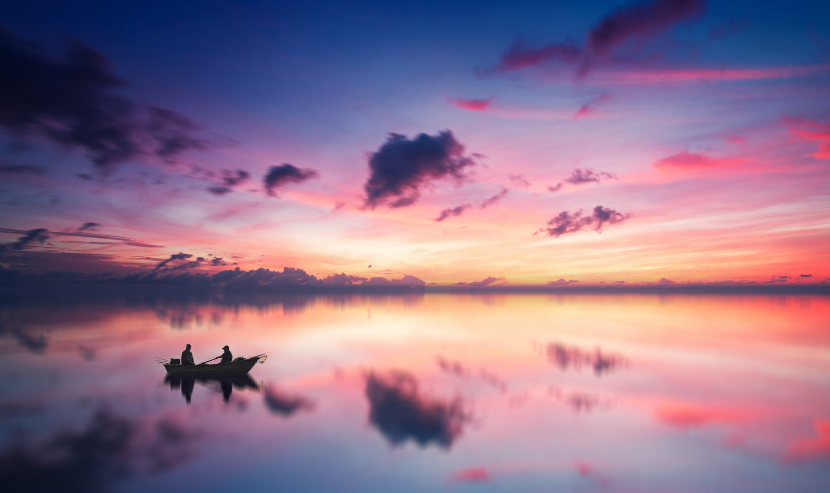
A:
(811, 448)
(589, 108)
(685, 161)
(471, 104)
(812, 130)
(689, 75)
(686, 416)
(472, 475)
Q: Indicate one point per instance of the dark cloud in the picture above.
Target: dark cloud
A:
(284, 404)
(401, 412)
(495, 198)
(455, 211)
(279, 176)
(228, 180)
(343, 279)
(452, 367)
(217, 261)
(174, 257)
(640, 20)
(89, 225)
(401, 167)
(520, 56)
(97, 458)
(571, 357)
(637, 21)
(33, 236)
(40, 235)
(571, 222)
(72, 101)
(406, 281)
(23, 170)
(219, 190)
(582, 177)
(563, 282)
(34, 343)
(806, 275)
(479, 284)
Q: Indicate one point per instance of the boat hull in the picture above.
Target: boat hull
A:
(234, 368)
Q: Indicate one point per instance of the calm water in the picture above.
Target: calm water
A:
(536, 393)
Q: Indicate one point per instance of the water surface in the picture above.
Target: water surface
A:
(445, 392)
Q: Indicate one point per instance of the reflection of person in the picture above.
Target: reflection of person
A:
(187, 388)
(187, 356)
(227, 357)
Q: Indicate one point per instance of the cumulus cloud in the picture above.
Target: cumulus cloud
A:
(279, 176)
(562, 282)
(343, 279)
(571, 222)
(479, 284)
(401, 412)
(637, 21)
(455, 211)
(401, 167)
(72, 100)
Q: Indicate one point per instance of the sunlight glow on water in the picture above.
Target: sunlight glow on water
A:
(515, 392)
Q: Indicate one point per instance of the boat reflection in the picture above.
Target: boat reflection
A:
(225, 385)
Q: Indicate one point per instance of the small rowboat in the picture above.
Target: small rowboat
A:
(237, 367)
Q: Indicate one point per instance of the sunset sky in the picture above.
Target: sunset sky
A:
(524, 143)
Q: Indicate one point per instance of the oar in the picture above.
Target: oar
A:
(208, 361)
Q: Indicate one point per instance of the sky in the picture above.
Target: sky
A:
(444, 143)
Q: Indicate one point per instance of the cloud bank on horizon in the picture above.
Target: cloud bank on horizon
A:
(701, 128)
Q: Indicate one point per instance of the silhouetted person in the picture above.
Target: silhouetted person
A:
(227, 357)
(187, 356)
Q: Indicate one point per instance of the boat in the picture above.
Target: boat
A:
(239, 366)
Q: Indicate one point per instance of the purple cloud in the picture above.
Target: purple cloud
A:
(402, 166)
(636, 21)
(72, 101)
(571, 222)
(455, 211)
(279, 176)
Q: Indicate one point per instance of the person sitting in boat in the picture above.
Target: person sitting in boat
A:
(227, 357)
(187, 356)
